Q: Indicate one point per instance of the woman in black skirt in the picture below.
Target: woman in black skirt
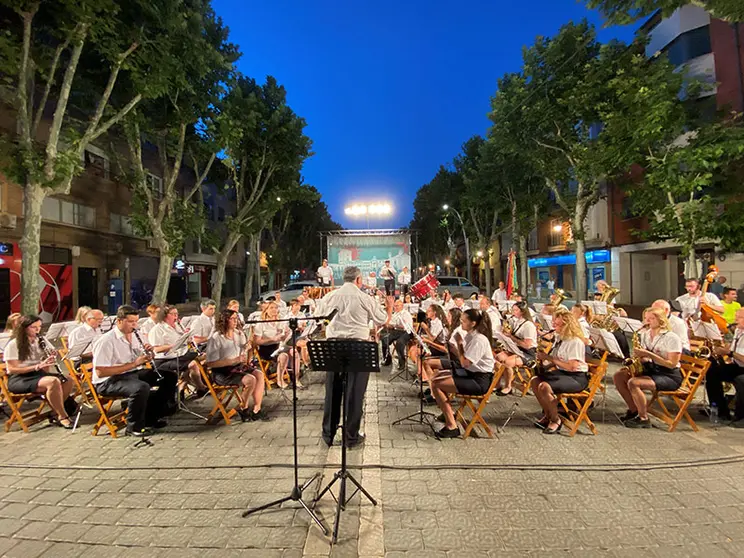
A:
(30, 370)
(473, 369)
(659, 351)
(565, 369)
(227, 358)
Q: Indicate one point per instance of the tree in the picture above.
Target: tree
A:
(80, 52)
(179, 124)
(265, 148)
(628, 11)
(559, 102)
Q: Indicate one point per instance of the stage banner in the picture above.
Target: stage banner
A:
(368, 252)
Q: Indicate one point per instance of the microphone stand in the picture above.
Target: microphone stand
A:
(296, 493)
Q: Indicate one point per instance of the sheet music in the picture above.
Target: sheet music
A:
(604, 340)
(417, 337)
(545, 321)
(628, 325)
(706, 331)
(178, 344)
(509, 344)
(598, 307)
(412, 308)
(505, 305)
(538, 306)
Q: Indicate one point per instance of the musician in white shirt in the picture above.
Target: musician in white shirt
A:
(732, 372)
(676, 324)
(325, 275)
(203, 325)
(271, 339)
(119, 358)
(493, 314)
(152, 311)
(86, 334)
(472, 373)
(433, 333)
(355, 311)
(180, 360)
(690, 302)
(397, 334)
(371, 282)
(404, 280)
(388, 276)
(524, 334)
(499, 294)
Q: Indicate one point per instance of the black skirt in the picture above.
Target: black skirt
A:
(265, 351)
(565, 382)
(666, 379)
(25, 383)
(471, 383)
(230, 375)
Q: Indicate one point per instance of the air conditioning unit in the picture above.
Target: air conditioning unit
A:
(8, 221)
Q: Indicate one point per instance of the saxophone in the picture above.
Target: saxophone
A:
(634, 364)
(608, 320)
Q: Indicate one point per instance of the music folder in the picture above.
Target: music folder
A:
(180, 343)
(604, 340)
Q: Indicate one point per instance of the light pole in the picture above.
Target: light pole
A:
(467, 243)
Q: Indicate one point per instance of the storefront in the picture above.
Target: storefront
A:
(562, 271)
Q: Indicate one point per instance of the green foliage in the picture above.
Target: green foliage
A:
(628, 11)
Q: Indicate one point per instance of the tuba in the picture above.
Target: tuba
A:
(558, 297)
(607, 321)
(633, 364)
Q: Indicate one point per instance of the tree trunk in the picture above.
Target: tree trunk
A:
(250, 271)
(691, 265)
(523, 266)
(30, 245)
(219, 277)
(160, 292)
(514, 225)
(488, 273)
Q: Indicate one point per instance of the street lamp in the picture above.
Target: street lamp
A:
(479, 253)
(557, 228)
(467, 243)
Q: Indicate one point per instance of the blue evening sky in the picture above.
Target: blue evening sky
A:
(390, 90)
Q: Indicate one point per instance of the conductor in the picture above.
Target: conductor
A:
(356, 310)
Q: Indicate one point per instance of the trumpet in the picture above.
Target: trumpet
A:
(50, 351)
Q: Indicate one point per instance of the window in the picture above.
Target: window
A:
(220, 214)
(154, 183)
(448, 282)
(556, 233)
(52, 255)
(95, 159)
(120, 224)
(689, 45)
(465, 283)
(532, 244)
(71, 213)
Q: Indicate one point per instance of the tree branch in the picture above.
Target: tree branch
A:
(116, 118)
(25, 104)
(200, 178)
(47, 89)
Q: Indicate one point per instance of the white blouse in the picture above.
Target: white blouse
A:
(524, 330)
(664, 343)
(495, 318)
(164, 334)
(737, 345)
(571, 349)
(478, 351)
(36, 355)
(436, 330)
(269, 330)
(220, 347)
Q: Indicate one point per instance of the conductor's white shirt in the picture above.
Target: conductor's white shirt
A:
(355, 311)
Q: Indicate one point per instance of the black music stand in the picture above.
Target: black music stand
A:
(339, 356)
(297, 490)
(420, 416)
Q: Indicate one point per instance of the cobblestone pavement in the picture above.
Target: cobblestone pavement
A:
(620, 493)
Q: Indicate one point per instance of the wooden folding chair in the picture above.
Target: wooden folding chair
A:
(222, 396)
(468, 401)
(693, 374)
(576, 406)
(40, 412)
(523, 374)
(114, 421)
(75, 376)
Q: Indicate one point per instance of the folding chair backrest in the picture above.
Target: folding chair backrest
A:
(693, 371)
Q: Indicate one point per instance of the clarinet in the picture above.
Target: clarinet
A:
(150, 354)
(50, 352)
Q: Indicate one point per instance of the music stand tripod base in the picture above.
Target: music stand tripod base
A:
(420, 416)
(338, 356)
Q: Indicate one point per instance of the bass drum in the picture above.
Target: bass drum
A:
(424, 286)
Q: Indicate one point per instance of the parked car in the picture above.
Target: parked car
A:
(456, 285)
(293, 290)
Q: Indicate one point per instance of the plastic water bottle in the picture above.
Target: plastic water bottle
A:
(714, 413)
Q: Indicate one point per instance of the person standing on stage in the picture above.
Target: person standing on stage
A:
(404, 280)
(388, 275)
(325, 275)
(355, 311)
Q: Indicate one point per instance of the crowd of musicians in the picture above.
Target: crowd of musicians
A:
(155, 364)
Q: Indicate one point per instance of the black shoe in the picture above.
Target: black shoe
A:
(71, 407)
(426, 393)
(326, 441)
(356, 442)
(158, 424)
(429, 400)
(137, 433)
(504, 394)
(548, 430)
(638, 422)
(629, 415)
(260, 415)
(447, 433)
(440, 418)
(201, 393)
(387, 362)
(246, 415)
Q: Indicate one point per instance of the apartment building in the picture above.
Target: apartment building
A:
(712, 50)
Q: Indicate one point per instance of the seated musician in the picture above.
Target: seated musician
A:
(691, 301)
(30, 370)
(524, 333)
(433, 333)
(370, 283)
(270, 339)
(12, 321)
(203, 325)
(459, 302)
(295, 311)
(396, 333)
(584, 317)
(447, 301)
(473, 370)
(119, 359)
(80, 314)
(86, 334)
(676, 324)
(228, 360)
(732, 372)
(658, 352)
(153, 311)
(432, 366)
(486, 305)
(563, 370)
(234, 305)
(182, 361)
